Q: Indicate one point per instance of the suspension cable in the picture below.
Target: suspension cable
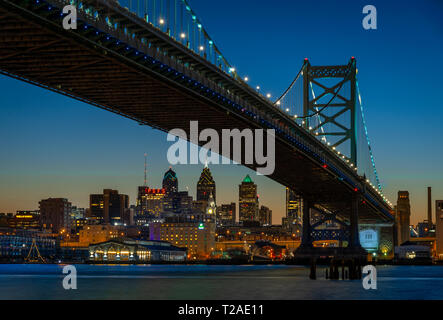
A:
(290, 86)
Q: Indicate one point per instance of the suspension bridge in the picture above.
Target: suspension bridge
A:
(153, 61)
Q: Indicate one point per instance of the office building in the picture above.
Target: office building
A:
(178, 202)
(170, 182)
(265, 216)
(248, 200)
(226, 214)
(25, 220)
(150, 201)
(293, 218)
(108, 207)
(55, 214)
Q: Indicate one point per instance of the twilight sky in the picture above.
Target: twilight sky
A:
(52, 146)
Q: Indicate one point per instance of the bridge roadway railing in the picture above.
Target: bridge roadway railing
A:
(237, 98)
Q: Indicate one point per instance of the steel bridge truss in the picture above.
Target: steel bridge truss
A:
(338, 105)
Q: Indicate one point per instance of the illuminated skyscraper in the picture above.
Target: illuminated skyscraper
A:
(292, 220)
(248, 200)
(206, 186)
(170, 181)
(150, 201)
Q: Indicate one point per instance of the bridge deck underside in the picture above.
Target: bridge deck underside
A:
(32, 51)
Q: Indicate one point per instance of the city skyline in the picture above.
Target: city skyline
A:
(63, 148)
(133, 195)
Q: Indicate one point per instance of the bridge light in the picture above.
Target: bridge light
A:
(201, 48)
(258, 87)
(268, 95)
(295, 116)
(162, 21)
(183, 35)
(246, 79)
(287, 109)
(355, 189)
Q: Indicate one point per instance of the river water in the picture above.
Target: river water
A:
(198, 282)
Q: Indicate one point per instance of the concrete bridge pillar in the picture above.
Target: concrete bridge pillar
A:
(306, 240)
(354, 236)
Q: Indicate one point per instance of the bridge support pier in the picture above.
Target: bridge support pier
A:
(354, 238)
(306, 240)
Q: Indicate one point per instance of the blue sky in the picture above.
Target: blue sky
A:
(53, 146)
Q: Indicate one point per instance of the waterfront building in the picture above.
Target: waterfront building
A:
(226, 214)
(108, 207)
(55, 214)
(402, 217)
(425, 229)
(25, 220)
(16, 245)
(91, 234)
(248, 200)
(410, 251)
(197, 237)
(129, 250)
(254, 233)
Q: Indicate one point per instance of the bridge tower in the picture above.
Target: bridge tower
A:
(332, 103)
(335, 100)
